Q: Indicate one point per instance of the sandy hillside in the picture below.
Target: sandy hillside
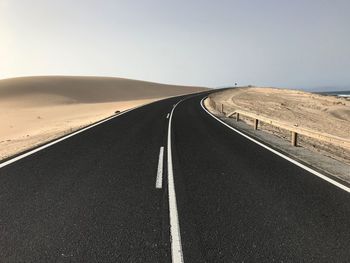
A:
(36, 109)
(326, 114)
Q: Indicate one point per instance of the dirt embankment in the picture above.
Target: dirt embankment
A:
(325, 114)
(37, 109)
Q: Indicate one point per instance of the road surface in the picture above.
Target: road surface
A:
(113, 194)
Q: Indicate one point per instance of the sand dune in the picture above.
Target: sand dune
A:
(65, 89)
(326, 114)
(37, 109)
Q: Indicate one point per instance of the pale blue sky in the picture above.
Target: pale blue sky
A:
(299, 43)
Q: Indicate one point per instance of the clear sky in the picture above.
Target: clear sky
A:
(287, 43)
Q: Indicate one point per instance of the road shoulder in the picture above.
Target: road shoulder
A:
(332, 168)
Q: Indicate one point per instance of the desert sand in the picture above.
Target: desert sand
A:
(34, 110)
(326, 114)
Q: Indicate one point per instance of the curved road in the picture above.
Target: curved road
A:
(93, 197)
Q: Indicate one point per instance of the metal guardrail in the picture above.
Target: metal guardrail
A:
(335, 140)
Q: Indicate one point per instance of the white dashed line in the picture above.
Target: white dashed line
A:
(21, 156)
(159, 181)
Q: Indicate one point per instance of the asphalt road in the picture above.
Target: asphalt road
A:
(93, 197)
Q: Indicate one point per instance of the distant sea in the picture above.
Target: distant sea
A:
(343, 93)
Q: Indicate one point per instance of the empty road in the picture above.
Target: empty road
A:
(165, 183)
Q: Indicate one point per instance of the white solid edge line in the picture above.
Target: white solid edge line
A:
(324, 177)
(14, 159)
(175, 236)
(159, 181)
(59, 140)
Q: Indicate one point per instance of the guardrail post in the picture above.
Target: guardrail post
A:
(256, 122)
(294, 139)
(294, 130)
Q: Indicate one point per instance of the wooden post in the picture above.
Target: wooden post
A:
(294, 140)
(222, 108)
(256, 122)
(237, 116)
